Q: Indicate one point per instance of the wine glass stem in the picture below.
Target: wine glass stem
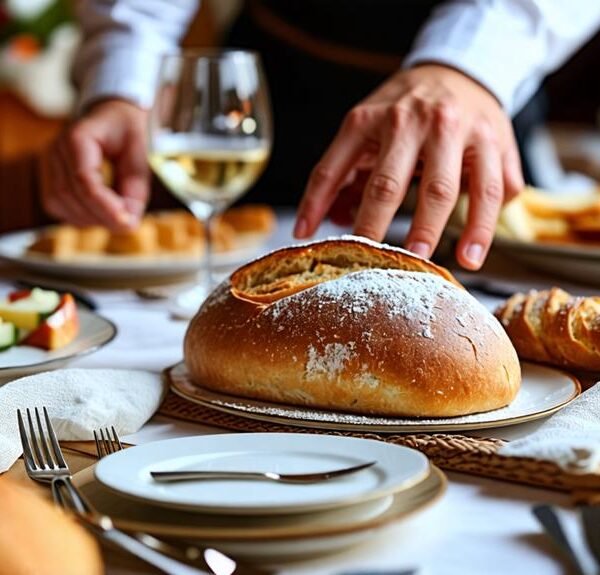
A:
(205, 214)
(208, 278)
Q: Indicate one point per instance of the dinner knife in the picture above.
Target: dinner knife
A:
(551, 522)
(590, 517)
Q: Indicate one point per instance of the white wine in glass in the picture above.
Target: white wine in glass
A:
(209, 135)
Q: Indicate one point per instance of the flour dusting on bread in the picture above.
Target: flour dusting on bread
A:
(352, 325)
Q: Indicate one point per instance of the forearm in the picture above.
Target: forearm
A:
(508, 46)
(123, 41)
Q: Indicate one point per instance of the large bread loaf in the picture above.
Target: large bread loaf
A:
(353, 326)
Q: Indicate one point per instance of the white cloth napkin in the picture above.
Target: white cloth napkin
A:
(569, 438)
(79, 401)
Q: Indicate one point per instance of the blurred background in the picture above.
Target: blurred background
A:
(38, 38)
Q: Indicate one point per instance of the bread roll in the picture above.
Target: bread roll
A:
(552, 326)
(353, 326)
(38, 538)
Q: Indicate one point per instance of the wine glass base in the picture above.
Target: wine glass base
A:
(186, 303)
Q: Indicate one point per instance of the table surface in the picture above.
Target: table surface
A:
(479, 526)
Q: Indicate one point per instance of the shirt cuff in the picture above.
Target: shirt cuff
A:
(123, 73)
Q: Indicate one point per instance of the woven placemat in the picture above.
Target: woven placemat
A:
(472, 455)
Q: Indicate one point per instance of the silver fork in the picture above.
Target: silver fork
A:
(44, 462)
(105, 445)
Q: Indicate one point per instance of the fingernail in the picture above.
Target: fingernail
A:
(420, 248)
(127, 220)
(301, 228)
(474, 253)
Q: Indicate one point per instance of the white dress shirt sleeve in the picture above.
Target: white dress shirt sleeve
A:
(123, 41)
(508, 46)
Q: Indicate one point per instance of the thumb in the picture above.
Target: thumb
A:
(132, 176)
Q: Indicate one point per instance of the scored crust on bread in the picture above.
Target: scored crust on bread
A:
(287, 271)
(352, 326)
(557, 328)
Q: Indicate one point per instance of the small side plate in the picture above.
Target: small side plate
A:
(95, 332)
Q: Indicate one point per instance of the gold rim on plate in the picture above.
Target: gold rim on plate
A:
(207, 527)
(319, 418)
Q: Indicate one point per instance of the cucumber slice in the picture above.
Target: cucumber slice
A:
(8, 335)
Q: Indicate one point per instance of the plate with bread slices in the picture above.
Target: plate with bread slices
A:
(351, 334)
(555, 233)
(165, 244)
(43, 329)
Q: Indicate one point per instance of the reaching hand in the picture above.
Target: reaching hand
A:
(73, 188)
(430, 117)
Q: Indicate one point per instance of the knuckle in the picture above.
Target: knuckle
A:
(445, 116)
(384, 188)
(356, 118)
(426, 233)
(321, 174)
(492, 193)
(440, 191)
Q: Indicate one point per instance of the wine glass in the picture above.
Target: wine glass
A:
(209, 136)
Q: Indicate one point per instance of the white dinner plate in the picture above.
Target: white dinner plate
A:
(575, 262)
(543, 391)
(267, 536)
(95, 331)
(13, 248)
(396, 468)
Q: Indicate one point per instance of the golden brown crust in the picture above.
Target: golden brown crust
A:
(36, 537)
(293, 269)
(555, 327)
(376, 340)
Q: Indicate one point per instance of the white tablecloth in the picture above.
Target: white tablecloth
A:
(480, 526)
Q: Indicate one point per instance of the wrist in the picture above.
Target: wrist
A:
(103, 103)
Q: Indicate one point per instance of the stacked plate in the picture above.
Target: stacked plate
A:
(266, 519)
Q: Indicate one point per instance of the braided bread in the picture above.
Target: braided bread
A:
(552, 326)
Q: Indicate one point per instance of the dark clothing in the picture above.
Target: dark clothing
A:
(311, 96)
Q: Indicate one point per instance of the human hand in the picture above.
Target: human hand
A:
(440, 120)
(73, 188)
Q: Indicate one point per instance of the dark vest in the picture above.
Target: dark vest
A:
(321, 58)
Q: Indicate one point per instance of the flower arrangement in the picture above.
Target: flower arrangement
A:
(38, 39)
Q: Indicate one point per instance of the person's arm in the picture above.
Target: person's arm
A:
(447, 111)
(123, 41)
(116, 71)
(508, 46)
